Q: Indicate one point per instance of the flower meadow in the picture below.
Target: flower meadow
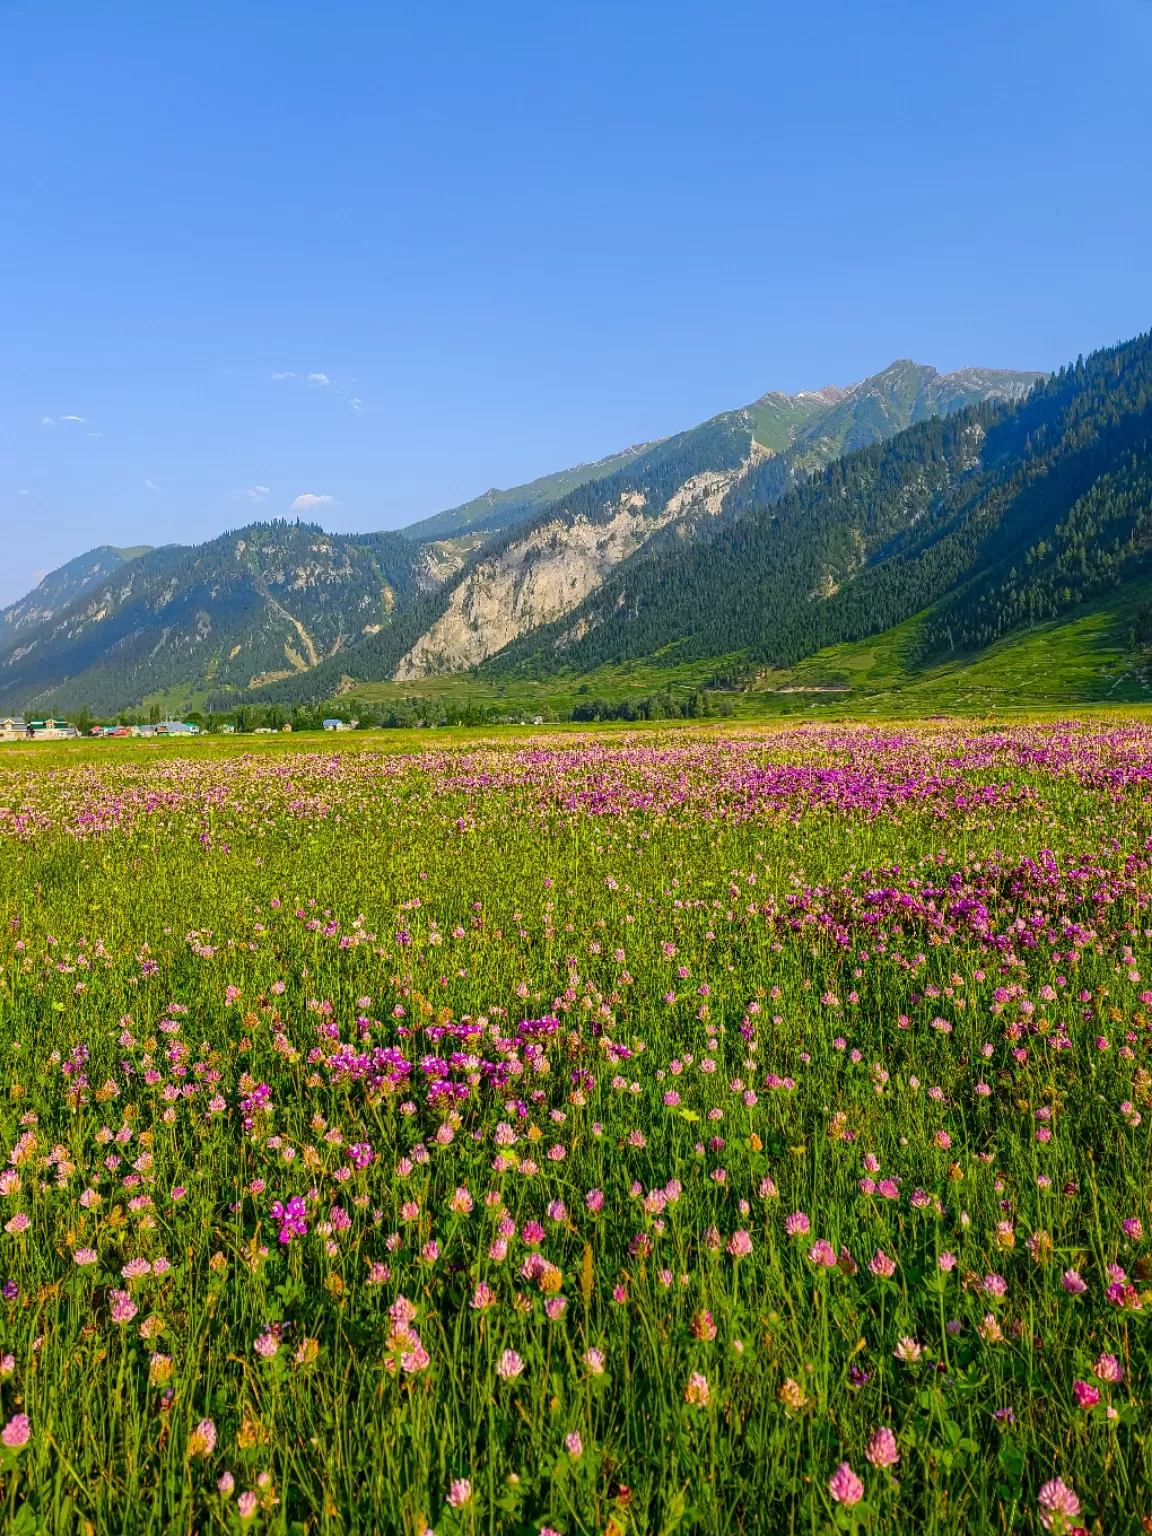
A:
(721, 1132)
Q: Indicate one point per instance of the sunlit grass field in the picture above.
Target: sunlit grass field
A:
(726, 1130)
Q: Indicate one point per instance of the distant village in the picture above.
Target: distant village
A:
(17, 728)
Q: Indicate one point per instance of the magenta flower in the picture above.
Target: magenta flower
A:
(844, 1486)
(509, 1366)
(483, 1297)
(797, 1224)
(574, 1445)
(202, 1441)
(881, 1265)
(1072, 1283)
(460, 1492)
(1057, 1503)
(740, 1244)
(17, 1431)
(1086, 1395)
(882, 1450)
(124, 1309)
(1109, 1369)
(822, 1254)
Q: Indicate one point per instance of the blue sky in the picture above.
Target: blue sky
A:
(394, 254)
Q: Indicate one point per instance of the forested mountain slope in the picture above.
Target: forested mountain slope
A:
(994, 514)
(269, 601)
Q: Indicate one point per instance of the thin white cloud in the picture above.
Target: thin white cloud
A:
(357, 405)
(73, 418)
(23, 492)
(148, 486)
(95, 434)
(308, 502)
(257, 493)
(288, 375)
(319, 378)
(46, 421)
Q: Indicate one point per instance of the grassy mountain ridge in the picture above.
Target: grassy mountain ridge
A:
(496, 510)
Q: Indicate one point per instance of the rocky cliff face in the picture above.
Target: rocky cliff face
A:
(61, 587)
(549, 572)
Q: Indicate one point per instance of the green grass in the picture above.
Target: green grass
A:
(1080, 661)
(673, 919)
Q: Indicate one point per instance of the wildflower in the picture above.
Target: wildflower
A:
(822, 1254)
(1124, 1296)
(791, 1394)
(882, 1451)
(225, 1483)
(740, 1244)
(907, 1350)
(797, 1224)
(1086, 1395)
(697, 1392)
(17, 1431)
(594, 1361)
(460, 1492)
(306, 1351)
(574, 1445)
(994, 1285)
(509, 1365)
(882, 1266)
(159, 1370)
(844, 1486)
(266, 1345)
(702, 1326)
(1056, 1502)
(1109, 1369)
(19, 1223)
(85, 1256)
(247, 1504)
(947, 1262)
(767, 1189)
(1072, 1283)
(124, 1309)
(1134, 1228)
(1039, 1245)
(203, 1439)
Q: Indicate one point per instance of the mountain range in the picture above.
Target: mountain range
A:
(787, 524)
